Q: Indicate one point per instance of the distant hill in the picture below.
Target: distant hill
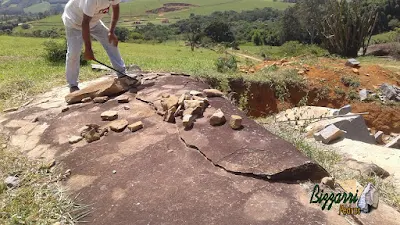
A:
(29, 6)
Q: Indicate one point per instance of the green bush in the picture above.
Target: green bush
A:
(226, 63)
(294, 48)
(55, 52)
(350, 81)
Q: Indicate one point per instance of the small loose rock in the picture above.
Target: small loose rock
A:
(218, 118)
(65, 109)
(127, 107)
(103, 99)
(123, 99)
(213, 93)
(188, 120)
(236, 122)
(196, 93)
(75, 139)
(114, 171)
(118, 125)
(379, 137)
(11, 109)
(109, 115)
(86, 100)
(12, 181)
(135, 126)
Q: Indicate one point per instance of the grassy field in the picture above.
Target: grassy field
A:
(37, 8)
(24, 72)
(134, 10)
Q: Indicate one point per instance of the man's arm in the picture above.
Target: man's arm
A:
(112, 38)
(86, 37)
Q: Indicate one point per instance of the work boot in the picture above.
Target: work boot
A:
(73, 89)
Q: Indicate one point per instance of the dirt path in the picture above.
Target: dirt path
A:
(246, 56)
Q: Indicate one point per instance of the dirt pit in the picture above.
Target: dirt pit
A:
(327, 86)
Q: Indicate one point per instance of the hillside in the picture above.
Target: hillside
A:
(155, 11)
(29, 6)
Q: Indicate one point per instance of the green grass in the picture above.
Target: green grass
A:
(24, 72)
(386, 37)
(39, 199)
(133, 10)
(37, 8)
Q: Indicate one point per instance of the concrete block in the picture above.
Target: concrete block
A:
(331, 133)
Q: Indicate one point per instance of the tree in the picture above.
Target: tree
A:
(290, 26)
(192, 30)
(348, 26)
(257, 38)
(310, 14)
(219, 32)
(122, 33)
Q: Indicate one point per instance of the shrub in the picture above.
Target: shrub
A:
(25, 26)
(226, 63)
(55, 52)
(350, 81)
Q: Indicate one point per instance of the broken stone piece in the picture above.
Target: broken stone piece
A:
(213, 93)
(127, 107)
(101, 99)
(198, 111)
(109, 115)
(83, 130)
(123, 99)
(356, 71)
(388, 91)
(12, 181)
(183, 97)
(205, 100)
(363, 94)
(86, 100)
(379, 137)
(170, 115)
(343, 111)
(135, 126)
(395, 143)
(195, 93)
(75, 139)
(366, 169)
(92, 136)
(331, 133)
(236, 122)
(118, 125)
(188, 120)
(11, 109)
(193, 104)
(218, 118)
(328, 181)
(352, 63)
(168, 103)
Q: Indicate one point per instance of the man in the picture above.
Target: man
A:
(82, 19)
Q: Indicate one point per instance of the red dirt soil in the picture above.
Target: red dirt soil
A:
(327, 73)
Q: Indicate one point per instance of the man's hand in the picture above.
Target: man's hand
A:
(112, 39)
(88, 55)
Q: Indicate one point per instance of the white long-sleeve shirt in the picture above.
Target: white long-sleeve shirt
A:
(97, 9)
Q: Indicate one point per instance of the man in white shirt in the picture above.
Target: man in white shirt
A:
(82, 19)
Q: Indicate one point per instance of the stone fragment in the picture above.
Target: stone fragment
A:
(12, 181)
(65, 109)
(170, 115)
(109, 115)
(331, 133)
(379, 137)
(92, 136)
(352, 63)
(103, 99)
(183, 97)
(205, 100)
(127, 107)
(11, 109)
(218, 118)
(188, 120)
(118, 125)
(168, 103)
(198, 111)
(83, 130)
(343, 111)
(135, 126)
(86, 100)
(108, 87)
(328, 181)
(213, 93)
(395, 143)
(363, 94)
(193, 104)
(236, 122)
(356, 71)
(196, 93)
(75, 139)
(388, 91)
(366, 169)
(123, 99)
